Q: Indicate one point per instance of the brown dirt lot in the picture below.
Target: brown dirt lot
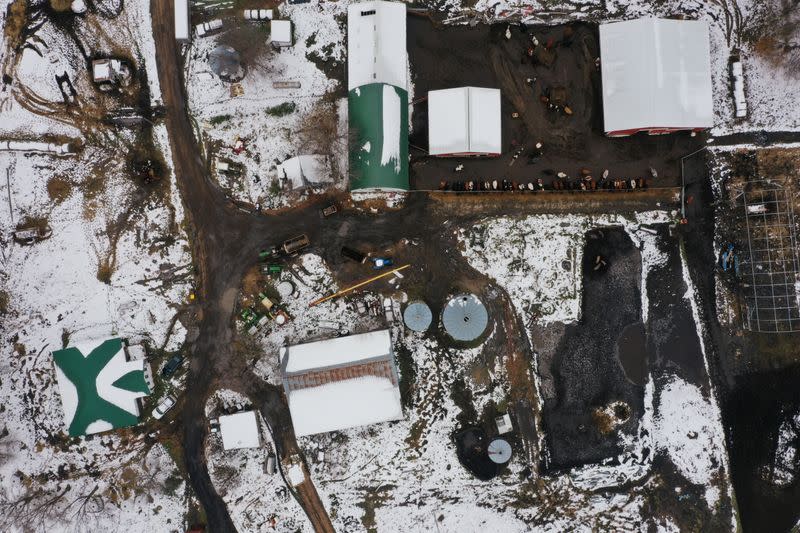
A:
(481, 56)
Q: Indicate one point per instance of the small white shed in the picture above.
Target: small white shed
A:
(464, 121)
(239, 430)
(281, 32)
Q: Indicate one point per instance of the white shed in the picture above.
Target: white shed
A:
(239, 430)
(182, 25)
(656, 76)
(281, 32)
(376, 44)
(464, 121)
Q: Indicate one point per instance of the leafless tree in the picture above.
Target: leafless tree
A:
(251, 42)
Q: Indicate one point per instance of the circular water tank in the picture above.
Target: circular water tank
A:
(465, 317)
(418, 316)
(224, 61)
(285, 289)
(499, 451)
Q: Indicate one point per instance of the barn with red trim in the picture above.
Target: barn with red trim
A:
(464, 121)
(656, 76)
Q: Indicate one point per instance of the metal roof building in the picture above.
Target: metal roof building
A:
(377, 81)
(376, 44)
(464, 121)
(239, 430)
(656, 76)
(99, 387)
(378, 118)
(341, 383)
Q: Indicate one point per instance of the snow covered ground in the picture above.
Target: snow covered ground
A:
(538, 259)
(117, 264)
(270, 136)
(254, 498)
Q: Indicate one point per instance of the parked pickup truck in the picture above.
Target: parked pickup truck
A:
(165, 405)
(172, 365)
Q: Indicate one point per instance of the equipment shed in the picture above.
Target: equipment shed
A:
(656, 76)
(464, 121)
(378, 122)
(341, 383)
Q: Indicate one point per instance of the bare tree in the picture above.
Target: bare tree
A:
(251, 42)
(779, 37)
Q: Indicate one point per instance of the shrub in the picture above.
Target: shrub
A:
(281, 110)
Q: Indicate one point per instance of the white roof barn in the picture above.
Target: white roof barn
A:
(376, 44)
(341, 383)
(464, 121)
(656, 76)
(239, 430)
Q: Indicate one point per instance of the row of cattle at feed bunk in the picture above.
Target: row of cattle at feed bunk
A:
(561, 183)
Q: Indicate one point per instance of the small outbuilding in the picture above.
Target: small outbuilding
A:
(109, 73)
(656, 76)
(341, 383)
(281, 33)
(239, 430)
(182, 21)
(464, 122)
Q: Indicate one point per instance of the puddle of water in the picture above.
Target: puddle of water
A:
(632, 353)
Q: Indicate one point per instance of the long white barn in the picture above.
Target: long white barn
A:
(656, 76)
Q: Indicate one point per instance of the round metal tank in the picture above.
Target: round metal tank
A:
(465, 317)
(499, 451)
(418, 316)
(285, 289)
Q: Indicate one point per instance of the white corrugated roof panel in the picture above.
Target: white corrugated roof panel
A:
(464, 120)
(484, 120)
(338, 351)
(448, 125)
(376, 44)
(656, 73)
(344, 404)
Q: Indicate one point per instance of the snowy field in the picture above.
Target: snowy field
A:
(117, 264)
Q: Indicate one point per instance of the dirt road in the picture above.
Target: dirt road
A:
(221, 261)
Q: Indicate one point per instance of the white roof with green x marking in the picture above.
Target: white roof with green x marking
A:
(99, 386)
